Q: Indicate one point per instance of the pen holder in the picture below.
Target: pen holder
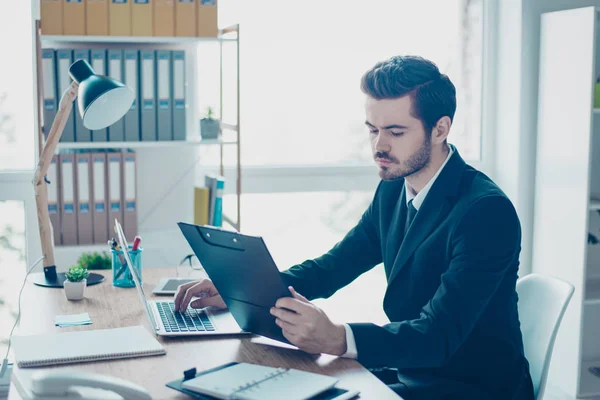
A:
(121, 274)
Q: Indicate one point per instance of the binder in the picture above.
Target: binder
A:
(85, 230)
(201, 204)
(130, 195)
(210, 183)
(164, 17)
(185, 17)
(164, 119)
(119, 18)
(99, 66)
(207, 22)
(115, 198)
(49, 88)
(68, 218)
(51, 14)
(82, 134)
(73, 17)
(130, 75)
(99, 189)
(147, 81)
(96, 21)
(64, 60)
(142, 17)
(218, 201)
(178, 84)
(53, 199)
(116, 132)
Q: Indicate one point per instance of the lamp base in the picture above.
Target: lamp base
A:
(49, 278)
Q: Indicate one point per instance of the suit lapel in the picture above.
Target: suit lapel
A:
(396, 232)
(436, 206)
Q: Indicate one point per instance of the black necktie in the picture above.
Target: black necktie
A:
(412, 211)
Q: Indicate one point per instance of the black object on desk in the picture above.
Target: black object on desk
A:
(50, 278)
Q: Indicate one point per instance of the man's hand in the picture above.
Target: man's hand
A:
(205, 289)
(308, 327)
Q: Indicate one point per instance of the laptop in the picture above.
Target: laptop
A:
(167, 322)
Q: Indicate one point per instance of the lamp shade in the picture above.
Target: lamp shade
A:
(102, 101)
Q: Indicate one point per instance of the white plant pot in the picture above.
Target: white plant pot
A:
(74, 290)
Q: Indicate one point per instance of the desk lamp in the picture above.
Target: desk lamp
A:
(102, 101)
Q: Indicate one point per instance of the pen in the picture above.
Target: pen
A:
(115, 246)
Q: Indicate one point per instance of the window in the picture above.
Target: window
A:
(301, 226)
(12, 265)
(302, 63)
(17, 127)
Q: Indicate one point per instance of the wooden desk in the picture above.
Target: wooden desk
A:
(111, 307)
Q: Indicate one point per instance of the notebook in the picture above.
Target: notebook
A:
(83, 346)
(244, 381)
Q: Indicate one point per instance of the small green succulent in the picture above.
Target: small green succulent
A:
(77, 274)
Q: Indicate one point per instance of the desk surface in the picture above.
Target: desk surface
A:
(111, 307)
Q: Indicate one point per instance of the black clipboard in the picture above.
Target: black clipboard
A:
(244, 273)
(330, 394)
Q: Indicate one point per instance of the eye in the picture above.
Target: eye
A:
(397, 133)
(373, 131)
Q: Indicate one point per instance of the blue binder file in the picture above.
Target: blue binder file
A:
(116, 132)
(147, 90)
(49, 88)
(99, 65)
(82, 134)
(64, 59)
(131, 79)
(178, 86)
(163, 95)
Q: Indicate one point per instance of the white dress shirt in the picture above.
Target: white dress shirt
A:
(351, 351)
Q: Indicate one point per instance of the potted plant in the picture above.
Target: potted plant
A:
(75, 282)
(209, 125)
(95, 260)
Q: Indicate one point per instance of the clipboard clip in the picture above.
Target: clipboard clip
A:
(189, 374)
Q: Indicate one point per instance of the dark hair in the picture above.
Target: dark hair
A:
(432, 93)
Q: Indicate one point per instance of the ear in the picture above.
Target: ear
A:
(441, 130)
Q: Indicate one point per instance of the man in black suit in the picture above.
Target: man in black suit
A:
(449, 240)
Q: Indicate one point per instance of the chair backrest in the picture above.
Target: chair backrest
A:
(542, 303)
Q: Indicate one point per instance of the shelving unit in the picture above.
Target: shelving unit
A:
(167, 169)
(567, 193)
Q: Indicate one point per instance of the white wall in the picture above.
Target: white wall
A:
(517, 98)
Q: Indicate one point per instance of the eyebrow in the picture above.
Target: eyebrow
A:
(395, 126)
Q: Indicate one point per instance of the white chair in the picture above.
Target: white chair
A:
(542, 303)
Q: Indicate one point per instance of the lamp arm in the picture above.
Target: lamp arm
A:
(58, 125)
(41, 189)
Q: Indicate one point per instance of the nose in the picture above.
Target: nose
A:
(381, 144)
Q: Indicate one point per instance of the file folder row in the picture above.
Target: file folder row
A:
(87, 191)
(157, 77)
(130, 17)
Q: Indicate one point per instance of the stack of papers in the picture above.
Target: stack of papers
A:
(72, 320)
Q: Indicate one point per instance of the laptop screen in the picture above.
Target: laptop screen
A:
(134, 273)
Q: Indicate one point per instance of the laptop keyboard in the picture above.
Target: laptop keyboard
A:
(191, 321)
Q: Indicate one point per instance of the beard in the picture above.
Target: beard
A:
(415, 163)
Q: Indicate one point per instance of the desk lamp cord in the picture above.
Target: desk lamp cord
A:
(5, 360)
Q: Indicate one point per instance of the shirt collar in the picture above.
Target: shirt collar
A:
(420, 197)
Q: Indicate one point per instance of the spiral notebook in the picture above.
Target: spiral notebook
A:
(244, 381)
(84, 346)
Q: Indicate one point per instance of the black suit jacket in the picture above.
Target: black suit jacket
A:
(450, 296)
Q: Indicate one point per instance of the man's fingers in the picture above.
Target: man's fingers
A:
(292, 304)
(290, 337)
(297, 295)
(286, 325)
(180, 293)
(285, 315)
(202, 287)
(214, 301)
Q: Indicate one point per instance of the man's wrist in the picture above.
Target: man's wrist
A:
(341, 346)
